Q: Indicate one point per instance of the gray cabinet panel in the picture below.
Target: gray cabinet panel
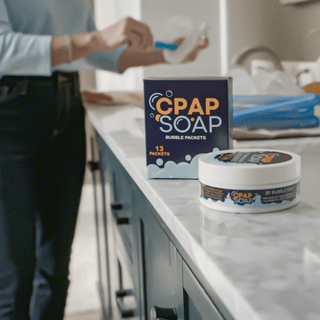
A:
(124, 289)
(198, 306)
(162, 266)
(120, 196)
(101, 227)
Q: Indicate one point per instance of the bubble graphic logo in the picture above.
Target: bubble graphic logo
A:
(154, 97)
(171, 169)
(169, 93)
(177, 114)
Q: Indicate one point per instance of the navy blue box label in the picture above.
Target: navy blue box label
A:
(184, 119)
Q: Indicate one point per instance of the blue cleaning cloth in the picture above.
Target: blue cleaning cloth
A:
(276, 123)
(275, 111)
(165, 45)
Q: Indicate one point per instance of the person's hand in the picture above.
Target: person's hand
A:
(203, 43)
(127, 31)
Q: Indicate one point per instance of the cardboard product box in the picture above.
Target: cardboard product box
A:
(185, 118)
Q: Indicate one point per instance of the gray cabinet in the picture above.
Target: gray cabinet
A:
(101, 231)
(197, 305)
(146, 277)
(123, 260)
(162, 267)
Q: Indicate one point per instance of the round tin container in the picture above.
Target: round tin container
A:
(249, 181)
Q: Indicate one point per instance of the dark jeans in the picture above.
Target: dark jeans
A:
(42, 161)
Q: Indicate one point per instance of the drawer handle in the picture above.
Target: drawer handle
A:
(116, 206)
(120, 294)
(93, 165)
(163, 313)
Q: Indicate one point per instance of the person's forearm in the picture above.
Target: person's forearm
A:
(131, 59)
(126, 31)
(82, 45)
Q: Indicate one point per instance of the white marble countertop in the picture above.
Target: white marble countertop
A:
(262, 266)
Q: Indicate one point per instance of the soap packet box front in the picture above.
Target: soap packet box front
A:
(185, 118)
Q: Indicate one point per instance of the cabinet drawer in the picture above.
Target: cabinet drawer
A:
(197, 304)
(119, 196)
(121, 206)
(125, 293)
(162, 271)
(101, 230)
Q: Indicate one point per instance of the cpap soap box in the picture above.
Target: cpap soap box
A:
(184, 119)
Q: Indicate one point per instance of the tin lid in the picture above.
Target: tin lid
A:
(248, 167)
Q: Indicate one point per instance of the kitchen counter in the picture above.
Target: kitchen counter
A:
(262, 266)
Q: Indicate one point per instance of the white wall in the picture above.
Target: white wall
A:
(253, 23)
(284, 29)
(297, 22)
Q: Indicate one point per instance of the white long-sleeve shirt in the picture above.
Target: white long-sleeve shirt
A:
(26, 31)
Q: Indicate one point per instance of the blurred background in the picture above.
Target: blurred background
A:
(283, 26)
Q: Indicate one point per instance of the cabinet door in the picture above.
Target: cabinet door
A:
(121, 204)
(197, 305)
(101, 225)
(123, 268)
(119, 195)
(124, 292)
(162, 268)
(127, 286)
